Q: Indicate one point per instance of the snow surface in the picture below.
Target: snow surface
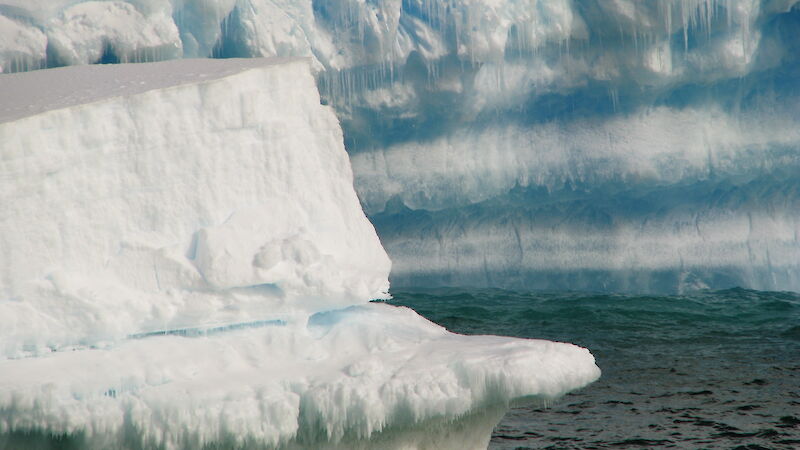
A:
(27, 94)
(460, 105)
(185, 263)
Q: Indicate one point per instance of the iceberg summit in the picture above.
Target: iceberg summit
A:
(184, 264)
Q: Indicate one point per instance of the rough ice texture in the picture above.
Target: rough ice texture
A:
(622, 146)
(221, 195)
(373, 371)
(460, 104)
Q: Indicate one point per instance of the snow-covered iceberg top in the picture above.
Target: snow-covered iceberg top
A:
(185, 263)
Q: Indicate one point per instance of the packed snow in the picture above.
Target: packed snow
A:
(192, 203)
(185, 263)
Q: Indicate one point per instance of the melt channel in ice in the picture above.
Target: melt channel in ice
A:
(185, 263)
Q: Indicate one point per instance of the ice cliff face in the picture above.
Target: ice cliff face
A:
(625, 145)
(177, 179)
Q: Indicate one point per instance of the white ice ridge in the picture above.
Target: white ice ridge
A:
(185, 263)
(222, 194)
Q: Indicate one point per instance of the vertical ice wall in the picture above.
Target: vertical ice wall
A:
(605, 128)
(153, 197)
(634, 146)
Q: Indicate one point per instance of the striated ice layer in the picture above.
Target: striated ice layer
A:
(649, 148)
(696, 236)
(659, 200)
(653, 149)
(185, 264)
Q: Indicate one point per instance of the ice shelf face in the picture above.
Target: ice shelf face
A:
(452, 108)
(185, 264)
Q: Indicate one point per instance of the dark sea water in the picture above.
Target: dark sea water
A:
(708, 370)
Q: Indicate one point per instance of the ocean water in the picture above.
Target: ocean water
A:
(714, 369)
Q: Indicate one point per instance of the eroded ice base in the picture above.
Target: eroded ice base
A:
(359, 377)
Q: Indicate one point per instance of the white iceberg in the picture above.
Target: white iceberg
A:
(185, 263)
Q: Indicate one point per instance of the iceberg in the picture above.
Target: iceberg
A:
(176, 190)
(185, 264)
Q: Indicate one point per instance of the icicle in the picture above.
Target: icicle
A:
(729, 15)
(685, 24)
(668, 18)
(613, 93)
(568, 42)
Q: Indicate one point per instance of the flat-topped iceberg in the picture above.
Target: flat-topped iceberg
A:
(185, 263)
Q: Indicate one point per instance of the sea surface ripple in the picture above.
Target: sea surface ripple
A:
(713, 369)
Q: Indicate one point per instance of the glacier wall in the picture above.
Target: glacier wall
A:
(620, 145)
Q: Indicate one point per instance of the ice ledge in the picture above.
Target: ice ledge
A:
(366, 374)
